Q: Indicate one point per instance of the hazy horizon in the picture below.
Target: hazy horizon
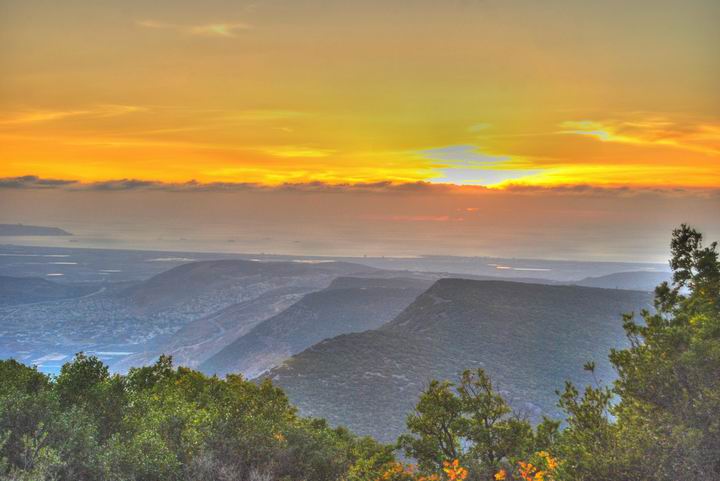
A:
(563, 130)
(592, 225)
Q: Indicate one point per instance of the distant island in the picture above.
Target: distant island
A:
(35, 230)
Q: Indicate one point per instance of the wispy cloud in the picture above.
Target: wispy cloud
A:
(37, 116)
(262, 115)
(227, 30)
(292, 151)
(649, 131)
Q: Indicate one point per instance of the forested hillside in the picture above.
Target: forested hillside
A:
(207, 305)
(658, 421)
(529, 337)
(347, 305)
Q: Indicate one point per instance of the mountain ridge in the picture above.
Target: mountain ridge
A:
(346, 305)
(369, 380)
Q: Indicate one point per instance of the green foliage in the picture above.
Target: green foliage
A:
(469, 422)
(589, 441)
(529, 337)
(658, 421)
(669, 379)
(159, 423)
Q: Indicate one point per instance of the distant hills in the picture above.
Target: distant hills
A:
(529, 337)
(203, 337)
(27, 290)
(224, 282)
(347, 305)
(248, 316)
(31, 230)
(640, 281)
(212, 303)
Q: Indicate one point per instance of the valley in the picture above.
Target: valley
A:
(332, 333)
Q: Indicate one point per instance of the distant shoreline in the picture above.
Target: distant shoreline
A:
(31, 230)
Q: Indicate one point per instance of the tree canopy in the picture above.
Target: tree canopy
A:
(162, 423)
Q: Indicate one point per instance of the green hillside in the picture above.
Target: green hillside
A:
(225, 280)
(347, 305)
(528, 337)
(206, 305)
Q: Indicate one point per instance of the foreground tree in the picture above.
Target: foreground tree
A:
(472, 424)
(159, 423)
(660, 420)
(665, 404)
(669, 379)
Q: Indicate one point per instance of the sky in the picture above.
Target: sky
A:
(593, 119)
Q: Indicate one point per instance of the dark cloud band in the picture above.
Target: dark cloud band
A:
(119, 185)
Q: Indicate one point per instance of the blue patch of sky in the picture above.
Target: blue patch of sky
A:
(464, 164)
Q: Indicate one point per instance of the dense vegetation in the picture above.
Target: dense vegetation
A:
(528, 338)
(347, 305)
(161, 423)
(659, 421)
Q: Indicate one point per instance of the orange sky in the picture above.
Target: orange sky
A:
(470, 92)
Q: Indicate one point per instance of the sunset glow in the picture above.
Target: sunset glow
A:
(489, 93)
